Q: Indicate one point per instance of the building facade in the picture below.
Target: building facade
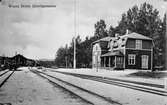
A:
(129, 51)
(15, 62)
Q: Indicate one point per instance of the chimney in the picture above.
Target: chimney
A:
(127, 31)
(117, 36)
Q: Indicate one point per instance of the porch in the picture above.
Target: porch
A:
(112, 60)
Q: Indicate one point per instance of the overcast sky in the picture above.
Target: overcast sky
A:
(37, 33)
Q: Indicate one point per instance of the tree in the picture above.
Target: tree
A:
(122, 26)
(86, 52)
(160, 41)
(78, 42)
(132, 18)
(111, 31)
(100, 29)
(146, 21)
(163, 42)
(60, 57)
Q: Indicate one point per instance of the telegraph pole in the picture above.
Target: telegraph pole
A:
(66, 56)
(74, 62)
(74, 54)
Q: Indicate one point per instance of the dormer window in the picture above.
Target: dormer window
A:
(123, 45)
(138, 44)
(115, 46)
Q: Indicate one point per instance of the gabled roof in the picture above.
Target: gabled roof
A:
(120, 41)
(131, 35)
(136, 36)
(19, 55)
(113, 53)
(105, 39)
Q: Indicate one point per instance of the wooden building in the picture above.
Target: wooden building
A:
(129, 51)
(15, 62)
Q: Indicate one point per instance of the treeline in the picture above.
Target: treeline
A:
(144, 20)
(46, 63)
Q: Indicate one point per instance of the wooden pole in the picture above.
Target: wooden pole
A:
(109, 62)
(74, 66)
(104, 61)
(115, 61)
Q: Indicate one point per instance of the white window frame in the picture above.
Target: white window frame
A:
(131, 59)
(138, 44)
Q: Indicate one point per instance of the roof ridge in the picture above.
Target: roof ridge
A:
(137, 35)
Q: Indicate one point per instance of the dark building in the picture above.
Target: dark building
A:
(19, 60)
(15, 62)
(130, 51)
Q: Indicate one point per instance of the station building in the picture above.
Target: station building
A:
(129, 51)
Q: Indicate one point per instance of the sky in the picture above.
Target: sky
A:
(37, 33)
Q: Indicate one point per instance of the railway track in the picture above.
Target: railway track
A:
(149, 88)
(86, 95)
(1, 74)
(4, 77)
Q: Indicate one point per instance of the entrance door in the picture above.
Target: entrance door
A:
(119, 63)
(144, 62)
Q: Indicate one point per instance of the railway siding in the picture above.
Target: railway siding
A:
(152, 85)
(26, 88)
(155, 89)
(3, 72)
(114, 92)
(5, 77)
(85, 94)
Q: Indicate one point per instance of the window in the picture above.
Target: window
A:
(131, 59)
(138, 44)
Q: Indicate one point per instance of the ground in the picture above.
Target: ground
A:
(26, 88)
(120, 94)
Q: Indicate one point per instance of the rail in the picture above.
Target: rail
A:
(79, 91)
